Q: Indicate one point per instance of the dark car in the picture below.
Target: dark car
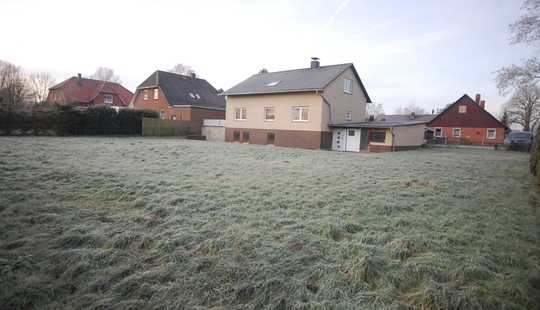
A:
(519, 141)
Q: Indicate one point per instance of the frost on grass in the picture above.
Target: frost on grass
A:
(133, 223)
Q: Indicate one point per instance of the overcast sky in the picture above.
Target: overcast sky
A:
(424, 52)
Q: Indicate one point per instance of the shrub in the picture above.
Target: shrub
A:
(535, 157)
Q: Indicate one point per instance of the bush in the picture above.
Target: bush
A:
(535, 157)
(65, 120)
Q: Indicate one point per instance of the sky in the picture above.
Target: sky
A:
(427, 53)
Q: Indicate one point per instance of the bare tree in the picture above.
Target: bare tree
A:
(106, 74)
(12, 84)
(515, 76)
(182, 69)
(411, 108)
(527, 28)
(524, 106)
(39, 84)
(375, 109)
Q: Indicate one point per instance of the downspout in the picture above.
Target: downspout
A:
(329, 106)
(393, 137)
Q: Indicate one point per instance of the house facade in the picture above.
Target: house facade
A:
(179, 97)
(295, 108)
(466, 121)
(89, 92)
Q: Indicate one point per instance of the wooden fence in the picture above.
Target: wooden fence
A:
(166, 127)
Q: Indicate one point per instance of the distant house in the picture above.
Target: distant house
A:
(179, 97)
(295, 108)
(384, 134)
(466, 121)
(89, 92)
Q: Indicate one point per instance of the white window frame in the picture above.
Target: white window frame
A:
(453, 135)
(348, 115)
(300, 110)
(347, 86)
(145, 94)
(240, 114)
(435, 132)
(156, 94)
(161, 114)
(105, 101)
(266, 115)
(494, 134)
(464, 109)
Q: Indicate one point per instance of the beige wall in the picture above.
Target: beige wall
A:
(213, 133)
(283, 104)
(342, 102)
(409, 135)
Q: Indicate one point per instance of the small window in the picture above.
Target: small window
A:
(108, 99)
(145, 94)
(272, 84)
(236, 136)
(173, 117)
(347, 86)
(156, 93)
(491, 133)
(462, 109)
(456, 132)
(348, 116)
(245, 137)
(270, 138)
(378, 136)
(269, 114)
(192, 95)
(300, 114)
(162, 114)
(240, 114)
(438, 132)
(351, 133)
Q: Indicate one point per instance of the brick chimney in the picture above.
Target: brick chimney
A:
(315, 63)
(483, 104)
(477, 100)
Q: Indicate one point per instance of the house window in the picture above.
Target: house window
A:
(269, 114)
(145, 94)
(240, 114)
(270, 138)
(462, 109)
(156, 94)
(300, 114)
(438, 132)
(236, 136)
(108, 99)
(161, 114)
(245, 137)
(491, 133)
(378, 136)
(347, 86)
(173, 117)
(456, 132)
(348, 116)
(351, 133)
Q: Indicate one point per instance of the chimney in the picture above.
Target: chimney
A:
(477, 100)
(193, 75)
(315, 63)
(412, 116)
(483, 104)
(79, 78)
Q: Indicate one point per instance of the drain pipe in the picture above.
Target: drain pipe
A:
(393, 137)
(328, 104)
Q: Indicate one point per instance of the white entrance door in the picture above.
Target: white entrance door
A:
(353, 140)
(339, 140)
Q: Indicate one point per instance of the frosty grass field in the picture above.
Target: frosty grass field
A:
(131, 223)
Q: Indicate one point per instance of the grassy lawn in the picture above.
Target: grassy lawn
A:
(134, 223)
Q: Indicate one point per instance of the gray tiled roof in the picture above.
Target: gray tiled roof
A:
(177, 89)
(407, 118)
(307, 79)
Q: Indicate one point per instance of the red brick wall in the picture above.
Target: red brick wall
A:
(473, 135)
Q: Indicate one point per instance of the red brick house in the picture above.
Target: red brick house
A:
(467, 122)
(179, 97)
(89, 92)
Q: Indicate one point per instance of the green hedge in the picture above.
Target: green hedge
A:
(535, 157)
(70, 120)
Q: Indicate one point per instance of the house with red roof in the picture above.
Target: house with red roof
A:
(89, 92)
(466, 121)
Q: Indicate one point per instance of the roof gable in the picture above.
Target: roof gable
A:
(85, 90)
(298, 80)
(184, 90)
(474, 117)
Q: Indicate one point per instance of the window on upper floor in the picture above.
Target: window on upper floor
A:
(300, 114)
(462, 109)
(491, 133)
(347, 86)
(269, 114)
(156, 93)
(108, 99)
(240, 114)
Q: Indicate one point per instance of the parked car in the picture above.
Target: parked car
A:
(519, 141)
